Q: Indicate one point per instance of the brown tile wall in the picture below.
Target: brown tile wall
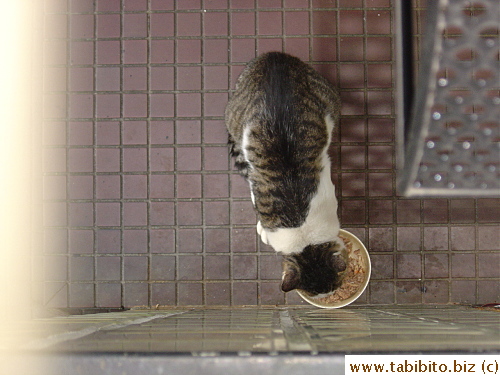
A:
(141, 203)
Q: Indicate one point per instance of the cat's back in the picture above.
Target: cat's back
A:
(272, 76)
(281, 92)
(277, 117)
(275, 80)
(282, 102)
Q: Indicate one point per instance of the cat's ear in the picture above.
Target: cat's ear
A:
(290, 279)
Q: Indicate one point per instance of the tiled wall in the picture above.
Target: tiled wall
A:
(141, 203)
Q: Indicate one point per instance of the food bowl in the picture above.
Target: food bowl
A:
(358, 264)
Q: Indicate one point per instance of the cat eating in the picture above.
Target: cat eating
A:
(280, 120)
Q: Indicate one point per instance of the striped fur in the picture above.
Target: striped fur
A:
(280, 121)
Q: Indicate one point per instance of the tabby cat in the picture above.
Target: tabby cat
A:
(280, 119)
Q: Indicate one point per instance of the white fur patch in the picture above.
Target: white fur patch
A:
(322, 223)
(262, 233)
(244, 143)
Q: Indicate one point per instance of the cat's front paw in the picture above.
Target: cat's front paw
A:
(262, 233)
(340, 248)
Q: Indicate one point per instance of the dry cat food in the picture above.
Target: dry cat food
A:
(353, 278)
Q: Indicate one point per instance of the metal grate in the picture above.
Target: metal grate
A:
(452, 147)
(218, 331)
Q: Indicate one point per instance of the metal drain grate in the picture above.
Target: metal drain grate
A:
(452, 147)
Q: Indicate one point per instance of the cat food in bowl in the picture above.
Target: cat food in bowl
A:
(355, 278)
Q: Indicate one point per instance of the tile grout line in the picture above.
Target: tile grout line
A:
(175, 213)
(148, 156)
(95, 231)
(122, 180)
(67, 109)
(202, 226)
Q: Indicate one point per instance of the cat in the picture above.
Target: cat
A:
(280, 120)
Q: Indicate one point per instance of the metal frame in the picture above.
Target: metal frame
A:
(418, 123)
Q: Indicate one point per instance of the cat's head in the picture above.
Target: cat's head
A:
(315, 270)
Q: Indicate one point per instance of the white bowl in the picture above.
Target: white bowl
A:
(356, 244)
